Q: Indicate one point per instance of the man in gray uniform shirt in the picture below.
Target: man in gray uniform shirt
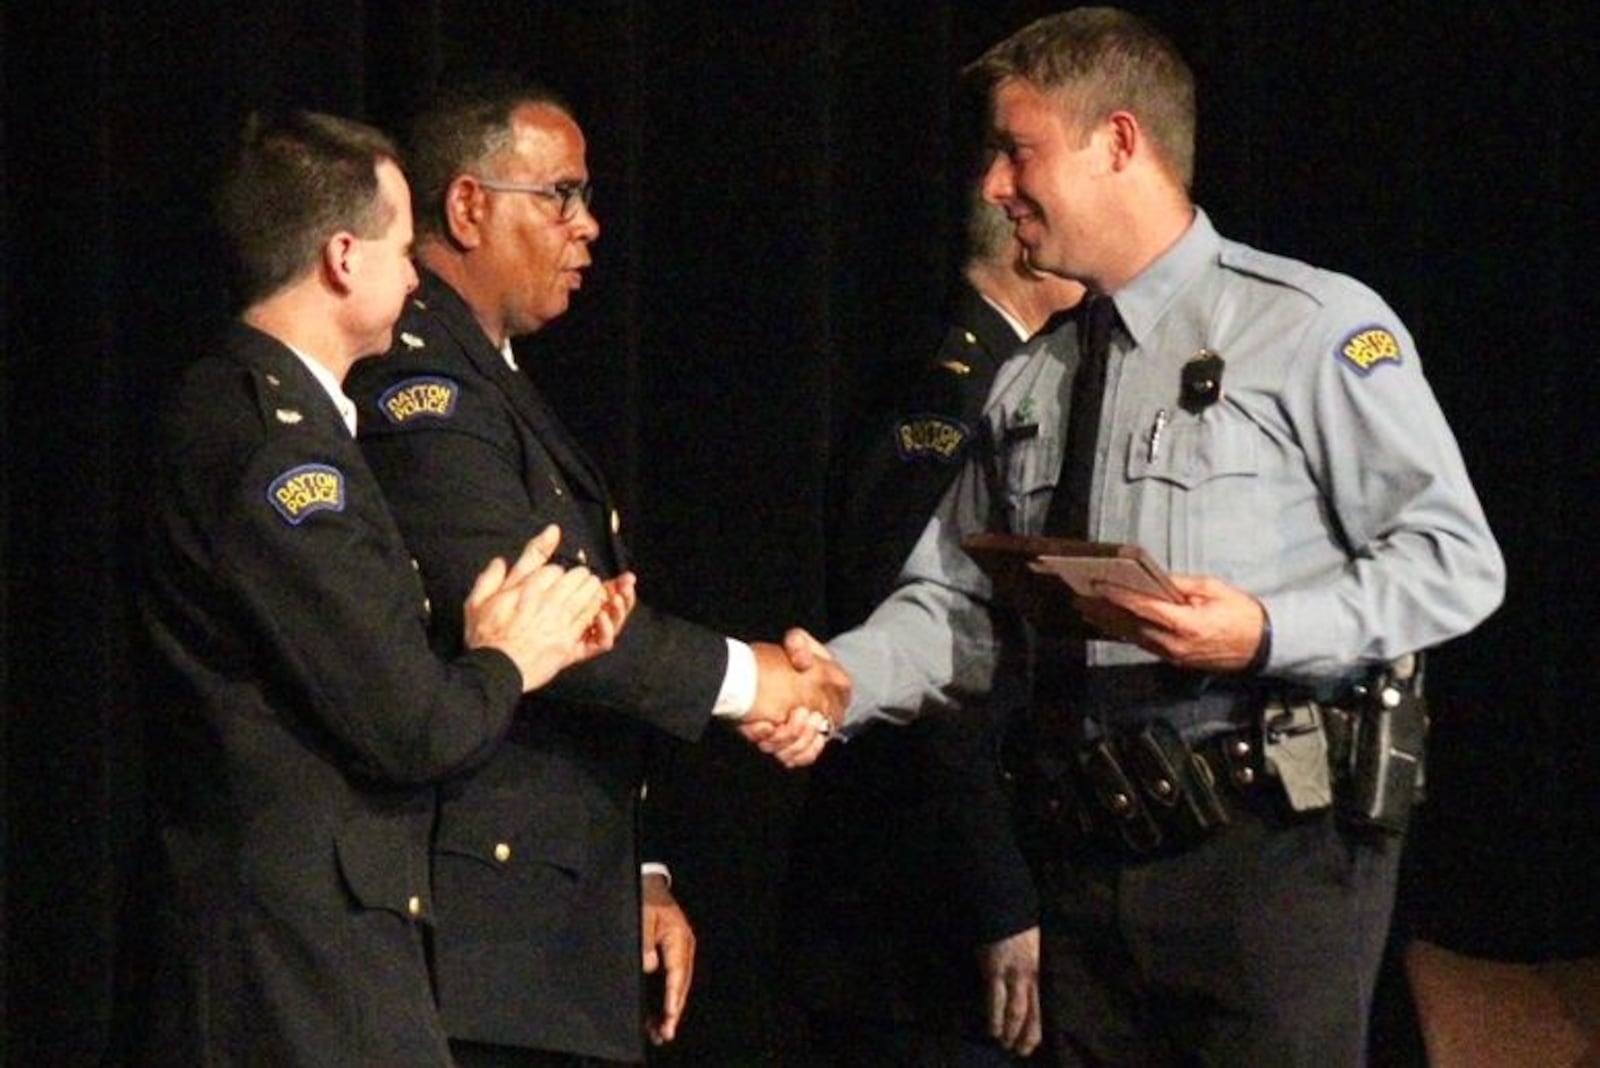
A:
(1267, 435)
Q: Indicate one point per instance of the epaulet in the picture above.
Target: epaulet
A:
(961, 347)
(300, 491)
(1367, 342)
(277, 408)
(1292, 273)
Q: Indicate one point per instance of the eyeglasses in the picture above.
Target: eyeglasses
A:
(566, 195)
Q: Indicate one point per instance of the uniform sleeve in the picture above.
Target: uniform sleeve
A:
(895, 472)
(310, 553)
(983, 864)
(931, 643)
(461, 495)
(456, 489)
(664, 671)
(1422, 566)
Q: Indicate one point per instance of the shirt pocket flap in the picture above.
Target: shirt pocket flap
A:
(384, 864)
(1190, 453)
(510, 829)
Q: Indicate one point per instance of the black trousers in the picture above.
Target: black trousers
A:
(845, 1042)
(478, 1055)
(1260, 946)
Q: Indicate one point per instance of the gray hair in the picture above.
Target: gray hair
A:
(462, 128)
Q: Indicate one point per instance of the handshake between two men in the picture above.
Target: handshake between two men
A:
(547, 617)
(801, 696)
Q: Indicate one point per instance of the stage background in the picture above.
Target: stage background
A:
(778, 185)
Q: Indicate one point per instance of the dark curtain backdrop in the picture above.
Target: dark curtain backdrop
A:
(779, 189)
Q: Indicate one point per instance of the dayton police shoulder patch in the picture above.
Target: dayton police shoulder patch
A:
(423, 397)
(930, 437)
(1368, 348)
(303, 491)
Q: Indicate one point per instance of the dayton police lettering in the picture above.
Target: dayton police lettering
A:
(305, 490)
(1369, 347)
(418, 398)
(930, 436)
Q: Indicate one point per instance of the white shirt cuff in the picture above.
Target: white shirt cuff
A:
(738, 694)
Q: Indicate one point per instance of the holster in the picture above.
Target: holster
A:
(1380, 777)
(1363, 751)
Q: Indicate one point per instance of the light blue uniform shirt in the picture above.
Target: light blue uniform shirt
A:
(1325, 481)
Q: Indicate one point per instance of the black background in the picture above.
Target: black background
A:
(778, 185)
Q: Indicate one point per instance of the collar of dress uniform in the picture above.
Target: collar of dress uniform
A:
(1143, 302)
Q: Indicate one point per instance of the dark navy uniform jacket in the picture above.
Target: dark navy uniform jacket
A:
(297, 724)
(904, 858)
(536, 857)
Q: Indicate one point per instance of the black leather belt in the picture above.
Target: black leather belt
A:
(1144, 793)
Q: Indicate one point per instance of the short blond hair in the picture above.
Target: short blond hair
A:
(1099, 60)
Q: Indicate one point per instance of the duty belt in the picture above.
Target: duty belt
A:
(1145, 793)
(1156, 762)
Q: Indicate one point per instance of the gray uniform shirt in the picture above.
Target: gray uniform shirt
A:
(1324, 481)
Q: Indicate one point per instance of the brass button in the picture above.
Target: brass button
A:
(1120, 802)
(427, 607)
(502, 852)
(1163, 787)
(616, 521)
(414, 906)
(583, 556)
(1241, 748)
(972, 339)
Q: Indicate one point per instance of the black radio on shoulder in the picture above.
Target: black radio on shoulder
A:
(1201, 383)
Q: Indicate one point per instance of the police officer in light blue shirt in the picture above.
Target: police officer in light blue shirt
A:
(1267, 435)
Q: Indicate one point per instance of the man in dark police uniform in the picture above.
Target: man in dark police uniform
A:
(914, 923)
(301, 718)
(543, 903)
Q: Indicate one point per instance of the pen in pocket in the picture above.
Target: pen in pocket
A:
(1156, 428)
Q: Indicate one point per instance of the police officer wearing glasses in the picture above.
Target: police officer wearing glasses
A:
(550, 912)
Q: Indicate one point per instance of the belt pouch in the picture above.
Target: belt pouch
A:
(1294, 747)
(1179, 787)
(1116, 795)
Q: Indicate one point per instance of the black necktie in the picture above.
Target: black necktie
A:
(1068, 516)
(1060, 651)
